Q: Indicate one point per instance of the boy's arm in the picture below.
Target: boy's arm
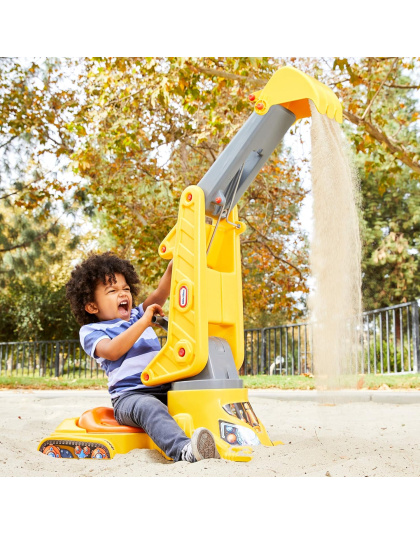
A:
(113, 349)
(160, 294)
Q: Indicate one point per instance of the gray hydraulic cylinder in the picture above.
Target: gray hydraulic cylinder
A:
(251, 147)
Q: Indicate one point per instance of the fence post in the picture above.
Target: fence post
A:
(415, 326)
(57, 359)
(263, 350)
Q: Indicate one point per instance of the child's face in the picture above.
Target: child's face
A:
(112, 301)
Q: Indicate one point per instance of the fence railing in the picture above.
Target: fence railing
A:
(388, 340)
(49, 359)
(389, 343)
(285, 349)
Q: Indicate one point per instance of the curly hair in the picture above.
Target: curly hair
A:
(80, 289)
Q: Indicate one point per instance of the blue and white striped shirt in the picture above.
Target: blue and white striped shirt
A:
(124, 373)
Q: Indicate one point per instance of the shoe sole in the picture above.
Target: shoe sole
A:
(203, 445)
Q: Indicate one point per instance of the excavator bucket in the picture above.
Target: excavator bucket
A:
(293, 89)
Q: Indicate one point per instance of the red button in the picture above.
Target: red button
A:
(189, 197)
(251, 98)
(260, 105)
(163, 249)
(181, 352)
(218, 200)
(145, 377)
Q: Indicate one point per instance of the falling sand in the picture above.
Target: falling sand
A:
(336, 304)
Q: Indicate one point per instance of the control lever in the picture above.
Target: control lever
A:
(161, 321)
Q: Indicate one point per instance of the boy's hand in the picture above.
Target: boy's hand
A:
(152, 310)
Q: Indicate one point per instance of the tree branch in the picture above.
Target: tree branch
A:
(397, 86)
(8, 141)
(283, 260)
(275, 255)
(37, 238)
(228, 75)
(17, 191)
(263, 241)
(27, 243)
(392, 145)
(380, 87)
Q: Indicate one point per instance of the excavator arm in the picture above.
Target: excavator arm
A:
(206, 311)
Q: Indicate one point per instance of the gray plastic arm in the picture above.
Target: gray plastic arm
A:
(243, 157)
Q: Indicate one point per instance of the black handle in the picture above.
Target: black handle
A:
(161, 321)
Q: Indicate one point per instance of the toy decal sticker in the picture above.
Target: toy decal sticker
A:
(183, 296)
(99, 453)
(82, 452)
(237, 434)
(75, 449)
(52, 451)
(244, 412)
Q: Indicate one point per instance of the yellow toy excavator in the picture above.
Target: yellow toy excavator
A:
(205, 342)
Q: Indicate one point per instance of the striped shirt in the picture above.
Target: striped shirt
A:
(123, 374)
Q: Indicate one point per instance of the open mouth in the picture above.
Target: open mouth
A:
(123, 306)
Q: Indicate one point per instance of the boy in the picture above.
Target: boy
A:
(119, 336)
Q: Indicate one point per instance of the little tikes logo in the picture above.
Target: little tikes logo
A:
(183, 296)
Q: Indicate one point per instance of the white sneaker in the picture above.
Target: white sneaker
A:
(201, 446)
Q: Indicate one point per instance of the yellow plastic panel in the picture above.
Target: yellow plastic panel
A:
(115, 442)
(214, 288)
(185, 353)
(292, 88)
(167, 246)
(226, 259)
(196, 408)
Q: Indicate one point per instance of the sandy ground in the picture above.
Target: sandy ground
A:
(341, 439)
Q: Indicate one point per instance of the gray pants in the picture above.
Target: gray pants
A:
(148, 410)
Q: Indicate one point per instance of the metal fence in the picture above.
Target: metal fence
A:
(285, 349)
(390, 340)
(49, 359)
(389, 343)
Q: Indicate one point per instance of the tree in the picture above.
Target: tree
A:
(391, 261)
(36, 103)
(155, 127)
(38, 202)
(375, 92)
(386, 139)
(32, 297)
(116, 140)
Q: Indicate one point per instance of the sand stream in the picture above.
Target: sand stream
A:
(335, 257)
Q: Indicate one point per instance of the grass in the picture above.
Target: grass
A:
(38, 382)
(278, 382)
(405, 381)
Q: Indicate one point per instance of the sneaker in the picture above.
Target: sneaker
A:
(203, 444)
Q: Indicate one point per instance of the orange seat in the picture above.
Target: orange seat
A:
(102, 420)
